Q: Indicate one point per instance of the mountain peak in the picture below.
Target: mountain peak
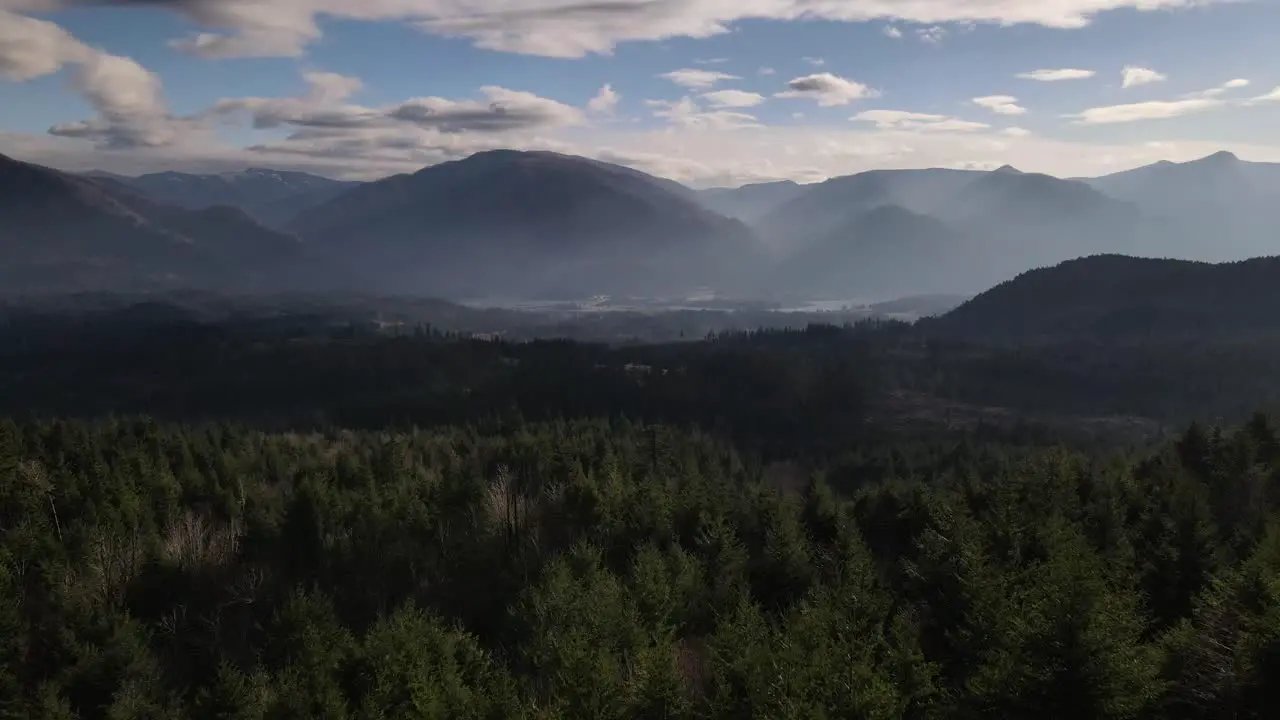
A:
(1008, 170)
(1219, 158)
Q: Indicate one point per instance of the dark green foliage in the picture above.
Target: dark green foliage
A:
(598, 569)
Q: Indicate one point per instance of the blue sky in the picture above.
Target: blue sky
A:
(336, 86)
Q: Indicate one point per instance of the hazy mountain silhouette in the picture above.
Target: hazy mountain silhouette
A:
(884, 252)
(824, 208)
(1221, 207)
(957, 230)
(1026, 220)
(61, 232)
(1117, 298)
(514, 223)
(273, 197)
(539, 224)
(750, 203)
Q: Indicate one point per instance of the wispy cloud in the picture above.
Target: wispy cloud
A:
(1057, 75)
(697, 79)
(1154, 110)
(687, 113)
(903, 120)
(605, 101)
(932, 35)
(1273, 96)
(733, 98)
(1000, 104)
(1223, 89)
(574, 28)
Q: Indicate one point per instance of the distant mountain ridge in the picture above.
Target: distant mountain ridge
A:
(1223, 206)
(273, 197)
(61, 232)
(543, 225)
(750, 203)
(959, 230)
(871, 251)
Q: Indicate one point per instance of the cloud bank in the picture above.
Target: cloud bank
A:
(570, 28)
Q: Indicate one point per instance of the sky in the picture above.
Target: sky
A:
(708, 92)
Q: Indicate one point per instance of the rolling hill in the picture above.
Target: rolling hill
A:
(1117, 298)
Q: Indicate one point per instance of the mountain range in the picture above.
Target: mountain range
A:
(539, 225)
(272, 197)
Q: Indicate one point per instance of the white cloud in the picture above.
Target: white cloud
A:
(321, 107)
(711, 61)
(1222, 89)
(1273, 96)
(815, 61)
(767, 71)
(128, 98)
(827, 90)
(327, 87)
(1057, 75)
(573, 28)
(903, 120)
(1154, 110)
(130, 104)
(696, 153)
(321, 114)
(1000, 104)
(932, 35)
(31, 48)
(686, 113)
(893, 31)
(605, 102)
(328, 132)
(1135, 76)
(697, 79)
(502, 110)
(733, 98)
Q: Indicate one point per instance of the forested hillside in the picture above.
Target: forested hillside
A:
(207, 513)
(1126, 299)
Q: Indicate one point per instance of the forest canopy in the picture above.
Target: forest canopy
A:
(298, 518)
